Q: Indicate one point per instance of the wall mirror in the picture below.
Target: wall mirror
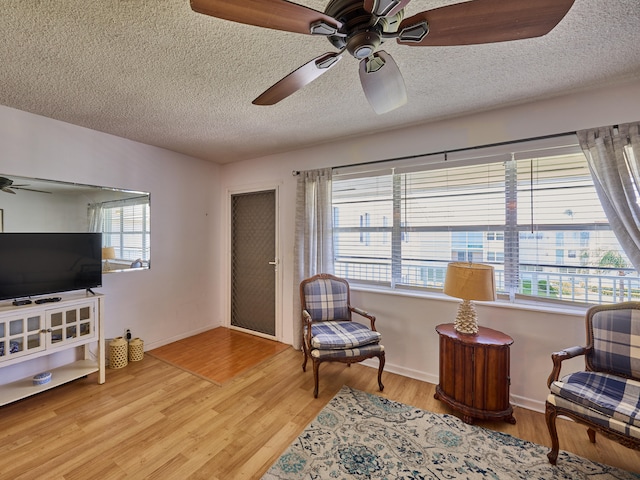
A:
(123, 216)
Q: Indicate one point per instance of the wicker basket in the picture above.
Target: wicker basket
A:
(118, 353)
(136, 350)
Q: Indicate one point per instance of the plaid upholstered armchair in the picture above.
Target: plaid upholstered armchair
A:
(606, 395)
(329, 334)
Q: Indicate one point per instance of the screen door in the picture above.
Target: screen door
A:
(253, 261)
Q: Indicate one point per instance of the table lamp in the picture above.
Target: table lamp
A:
(469, 281)
(108, 253)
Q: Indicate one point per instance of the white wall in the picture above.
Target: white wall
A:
(177, 297)
(39, 212)
(408, 322)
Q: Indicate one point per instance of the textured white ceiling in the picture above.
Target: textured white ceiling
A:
(157, 72)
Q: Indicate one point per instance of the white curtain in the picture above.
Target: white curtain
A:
(613, 154)
(313, 248)
(96, 216)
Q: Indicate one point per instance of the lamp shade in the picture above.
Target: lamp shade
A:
(108, 253)
(470, 281)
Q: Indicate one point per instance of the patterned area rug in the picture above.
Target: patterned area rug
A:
(363, 436)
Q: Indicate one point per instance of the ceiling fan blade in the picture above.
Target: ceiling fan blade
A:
(384, 8)
(5, 182)
(7, 190)
(382, 82)
(485, 21)
(18, 187)
(275, 14)
(297, 79)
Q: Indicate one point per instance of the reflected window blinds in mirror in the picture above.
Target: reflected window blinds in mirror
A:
(38, 205)
(125, 228)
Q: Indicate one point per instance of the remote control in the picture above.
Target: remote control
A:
(48, 300)
(17, 303)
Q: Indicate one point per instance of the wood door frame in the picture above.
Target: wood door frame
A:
(255, 188)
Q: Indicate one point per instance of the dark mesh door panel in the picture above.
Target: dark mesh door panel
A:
(253, 240)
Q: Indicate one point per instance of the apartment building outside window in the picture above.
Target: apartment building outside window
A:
(531, 213)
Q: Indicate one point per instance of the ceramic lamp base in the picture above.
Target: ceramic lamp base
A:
(467, 320)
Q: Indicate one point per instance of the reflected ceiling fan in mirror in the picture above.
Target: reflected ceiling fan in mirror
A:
(360, 27)
(7, 186)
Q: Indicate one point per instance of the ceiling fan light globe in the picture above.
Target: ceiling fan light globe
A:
(363, 52)
(382, 83)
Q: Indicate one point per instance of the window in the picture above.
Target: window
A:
(533, 214)
(126, 227)
(364, 225)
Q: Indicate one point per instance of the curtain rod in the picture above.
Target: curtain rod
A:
(456, 150)
(120, 200)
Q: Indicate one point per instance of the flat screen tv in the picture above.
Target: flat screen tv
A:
(43, 263)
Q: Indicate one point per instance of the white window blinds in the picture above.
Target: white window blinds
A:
(532, 213)
(126, 227)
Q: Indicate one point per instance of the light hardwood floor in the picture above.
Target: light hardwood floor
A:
(154, 420)
(235, 352)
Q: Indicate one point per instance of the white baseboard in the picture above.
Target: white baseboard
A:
(528, 403)
(405, 372)
(516, 400)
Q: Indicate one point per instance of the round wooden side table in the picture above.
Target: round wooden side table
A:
(474, 373)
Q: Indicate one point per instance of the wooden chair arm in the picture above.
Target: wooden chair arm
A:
(306, 321)
(559, 357)
(362, 313)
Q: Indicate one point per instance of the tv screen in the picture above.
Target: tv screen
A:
(43, 263)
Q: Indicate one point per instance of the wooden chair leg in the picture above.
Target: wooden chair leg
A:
(381, 357)
(306, 356)
(316, 370)
(550, 415)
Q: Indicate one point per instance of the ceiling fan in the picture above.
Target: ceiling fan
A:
(7, 186)
(360, 27)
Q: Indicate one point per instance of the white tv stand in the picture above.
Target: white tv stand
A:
(28, 332)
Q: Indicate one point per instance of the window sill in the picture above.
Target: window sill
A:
(528, 305)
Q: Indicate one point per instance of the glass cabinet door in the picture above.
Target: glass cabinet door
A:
(30, 331)
(21, 335)
(70, 324)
